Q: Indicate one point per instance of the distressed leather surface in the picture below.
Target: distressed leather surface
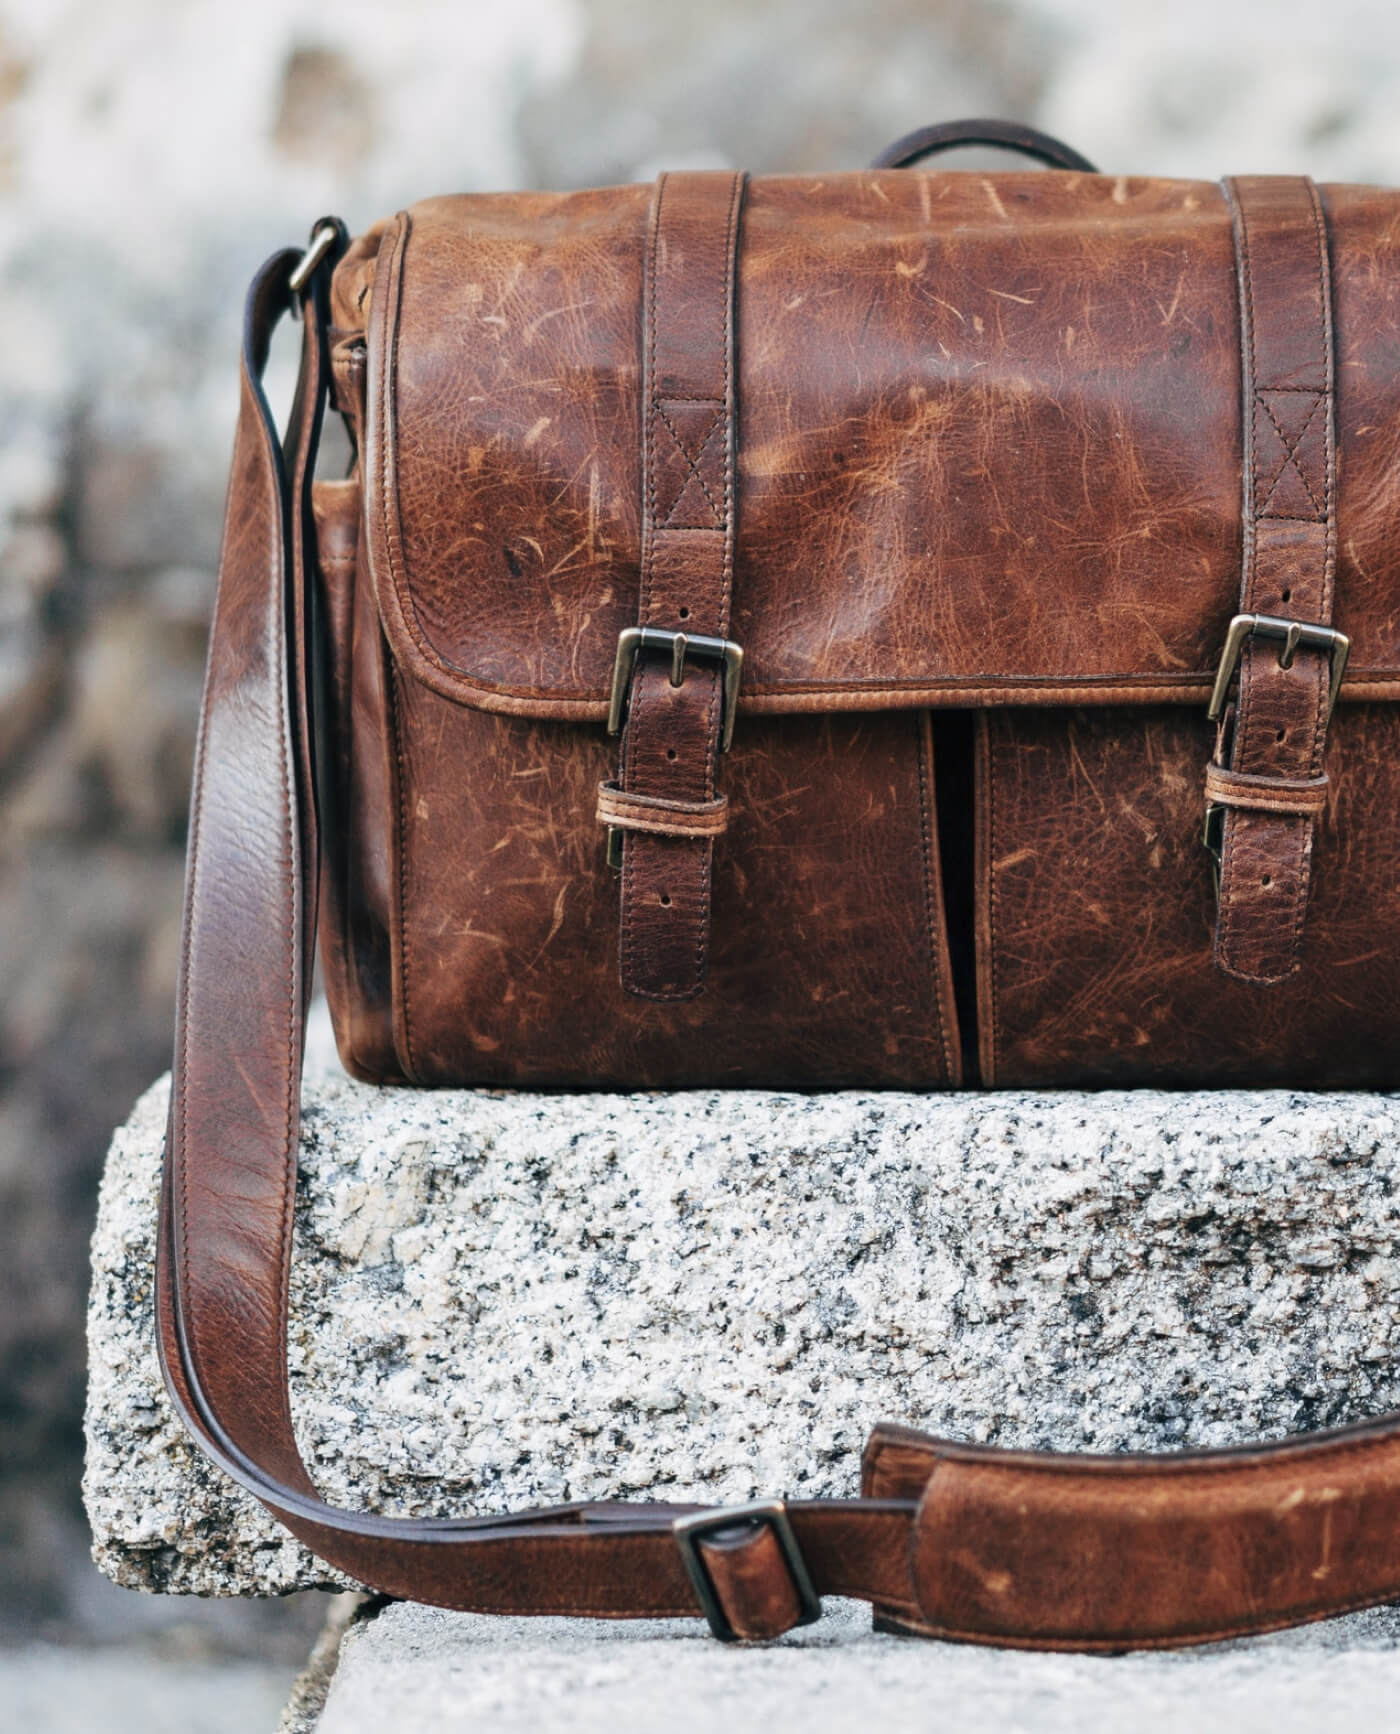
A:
(1097, 912)
(827, 963)
(1047, 1550)
(990, 439)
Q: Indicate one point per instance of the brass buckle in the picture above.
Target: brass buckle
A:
(680, 647)
(688, 1530)
(1296, 635)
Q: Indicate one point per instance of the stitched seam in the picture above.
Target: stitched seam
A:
(1376, 683)
(295, 941)
(726, 311)
(704, 921)
(627, 937)
(628, 889)
(389, 511)
(993, 905)
(1324, 289)
(1304, 828)
(924, 771)
(401, 877)
(291, 1101)
(1166, 1641)
(648, 428)
(1329, 557)
(728, 316)
(693, 464)
(1290, 458)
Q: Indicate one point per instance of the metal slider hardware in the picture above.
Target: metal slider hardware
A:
(1296, 635)
(321, 243)
(688, 1531)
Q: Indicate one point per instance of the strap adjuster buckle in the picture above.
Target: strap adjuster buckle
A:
(1295, 634)
(772, 1512)
(680, 647)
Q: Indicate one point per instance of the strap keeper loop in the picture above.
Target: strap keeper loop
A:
(622, 811)
(1255, 792)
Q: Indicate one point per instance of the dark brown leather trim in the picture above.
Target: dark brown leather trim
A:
(1290, 514)
(671, 738)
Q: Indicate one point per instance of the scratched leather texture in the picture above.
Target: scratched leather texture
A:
(989, 449)
(989, 438)
(1097, 912)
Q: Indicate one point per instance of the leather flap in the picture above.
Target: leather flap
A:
(989, 440)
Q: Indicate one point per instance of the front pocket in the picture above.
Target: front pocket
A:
(1096, 912)
(828, 962)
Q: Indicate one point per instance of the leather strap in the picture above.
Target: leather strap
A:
(971, 1542)
(1278, 729)
(671, 740)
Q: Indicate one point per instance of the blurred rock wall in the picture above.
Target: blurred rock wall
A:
(151, 152)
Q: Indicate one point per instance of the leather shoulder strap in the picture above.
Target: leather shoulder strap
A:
(1000, 1547)
(1274, 737)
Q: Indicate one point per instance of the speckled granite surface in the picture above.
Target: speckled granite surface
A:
(500, 1300)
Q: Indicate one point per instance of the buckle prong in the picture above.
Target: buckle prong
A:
(1295, 634)
(773, 1512)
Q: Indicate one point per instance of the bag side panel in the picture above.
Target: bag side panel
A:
(356, 796)
(1097, 911)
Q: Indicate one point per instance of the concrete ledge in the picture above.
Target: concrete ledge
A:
(442, 1673)
(501, 1299)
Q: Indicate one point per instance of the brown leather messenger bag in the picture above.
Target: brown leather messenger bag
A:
(796, 632)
